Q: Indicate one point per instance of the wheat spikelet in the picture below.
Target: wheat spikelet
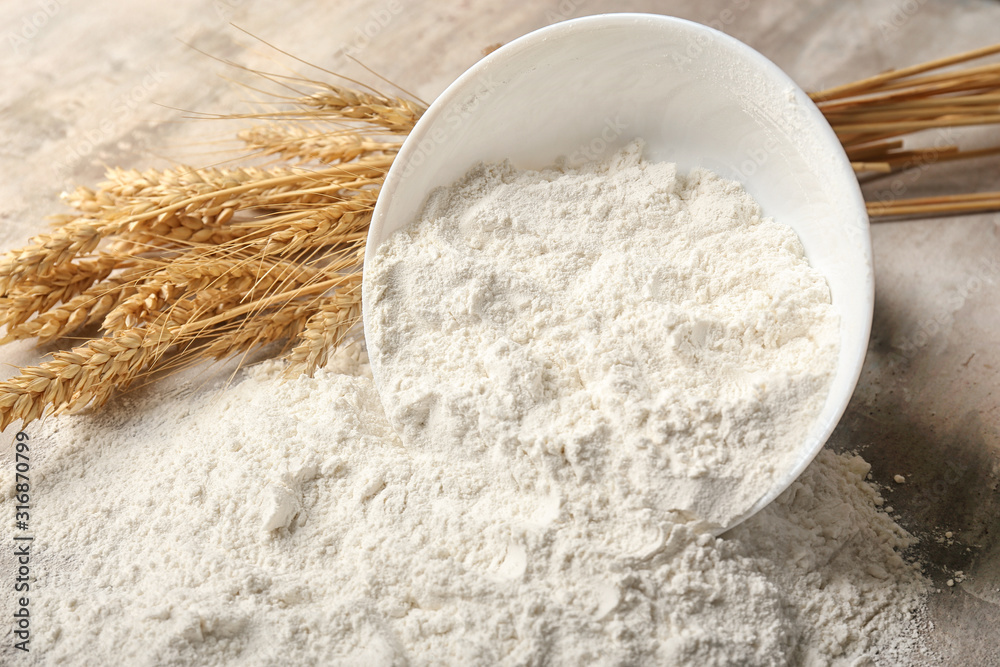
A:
(38, 260)
(248, 275)
(181, 204)
(395, 114)
(86, 308)
(344, 221)
(35, 295)
(324, 331)
(291, 142)
(207, 284)
(146, 298)
(76, 378)
(155, 300)
(262, 328)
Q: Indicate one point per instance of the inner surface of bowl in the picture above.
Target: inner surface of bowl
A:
(584, 88)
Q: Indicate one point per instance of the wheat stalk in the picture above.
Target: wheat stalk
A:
(868, 115)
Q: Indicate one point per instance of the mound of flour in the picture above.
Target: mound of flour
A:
(619, 326)
(532, 513)
(285, 523)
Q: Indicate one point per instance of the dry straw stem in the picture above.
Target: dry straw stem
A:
(874, 82)
(870, 114)
(905, 159)
(883, 167)
(906, 126)
(953, 204)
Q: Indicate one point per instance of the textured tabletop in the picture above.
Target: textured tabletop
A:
(89, 85)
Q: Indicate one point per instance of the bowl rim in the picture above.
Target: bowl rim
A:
(458, 90)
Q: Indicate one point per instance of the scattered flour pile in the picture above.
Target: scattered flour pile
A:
(285, 523)
(566, 389)
(618, 327)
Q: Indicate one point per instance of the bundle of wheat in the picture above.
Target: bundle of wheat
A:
(870, 115)
(184, 264)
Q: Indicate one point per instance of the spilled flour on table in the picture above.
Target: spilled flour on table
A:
(285, 523)
(644, 338)
(592, 360)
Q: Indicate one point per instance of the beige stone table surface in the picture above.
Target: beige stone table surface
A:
(89, 84)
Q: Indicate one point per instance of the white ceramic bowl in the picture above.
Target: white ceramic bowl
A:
(698, 97)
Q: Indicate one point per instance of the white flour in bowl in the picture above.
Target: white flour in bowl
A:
(285, 523)
(618, 322)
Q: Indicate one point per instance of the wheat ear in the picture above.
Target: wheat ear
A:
(84, 375)
(86, 308)
(325, 330)
(39, 259)
(291, 142)
(36, 294)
